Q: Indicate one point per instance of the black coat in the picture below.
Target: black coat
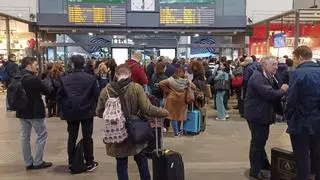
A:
(34, 89)
(262, 99)
(78, 96)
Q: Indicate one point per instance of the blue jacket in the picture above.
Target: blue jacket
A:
(12, 68)
(78, 96)
(261, 100)
(303, 102)
(247, 73)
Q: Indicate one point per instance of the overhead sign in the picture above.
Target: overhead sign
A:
(187, 12)
(97, 12)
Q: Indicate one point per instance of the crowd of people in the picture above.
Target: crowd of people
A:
(264, 88)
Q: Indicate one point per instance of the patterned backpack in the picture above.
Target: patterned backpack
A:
(114, 129)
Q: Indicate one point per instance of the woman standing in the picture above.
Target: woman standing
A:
(222, 87)
(175, 93)
(54, 77)
(102, 75)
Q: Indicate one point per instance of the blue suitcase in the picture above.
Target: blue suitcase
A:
(193, 123)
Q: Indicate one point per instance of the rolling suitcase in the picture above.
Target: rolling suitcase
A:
(193, 123)
(166, 164)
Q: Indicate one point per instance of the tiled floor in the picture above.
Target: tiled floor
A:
(221, 153)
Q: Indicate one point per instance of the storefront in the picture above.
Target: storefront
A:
(280, 35)
(15, 37)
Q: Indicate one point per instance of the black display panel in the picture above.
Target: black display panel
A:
(97, 12)
(196, 13)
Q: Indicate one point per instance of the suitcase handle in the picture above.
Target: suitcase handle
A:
(161, 139)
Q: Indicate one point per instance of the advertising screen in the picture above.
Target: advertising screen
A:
(120, 55)
(171, 53)
(279, 40)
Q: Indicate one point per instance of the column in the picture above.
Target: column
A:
(8, 36)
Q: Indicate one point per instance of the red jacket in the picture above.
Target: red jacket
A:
(138, 74)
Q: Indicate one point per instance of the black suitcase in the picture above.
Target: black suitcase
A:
(167, 164)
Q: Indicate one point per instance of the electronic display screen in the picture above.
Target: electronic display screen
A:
(279, 40)
(187, 12)
(97, 12)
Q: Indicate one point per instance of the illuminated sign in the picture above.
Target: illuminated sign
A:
(187, 12)
(97, 13)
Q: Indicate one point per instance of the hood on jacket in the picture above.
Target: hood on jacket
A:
(119, 87)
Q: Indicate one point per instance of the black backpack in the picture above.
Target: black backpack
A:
(17, 96)
(78, 164)
(156, 89)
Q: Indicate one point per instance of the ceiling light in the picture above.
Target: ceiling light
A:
(101, 31)
(196, 35)
(90, 33)
(182, 32)
(156, 32)
(129, 31)
(74, 31)
(209, 32)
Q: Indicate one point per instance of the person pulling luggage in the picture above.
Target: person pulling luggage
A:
(136, 101)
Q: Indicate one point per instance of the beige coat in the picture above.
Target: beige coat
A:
(175, 101)
(137, 101)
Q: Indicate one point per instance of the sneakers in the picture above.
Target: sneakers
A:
(41, 166)
(93, 166)
(227, 116)
(221, 119)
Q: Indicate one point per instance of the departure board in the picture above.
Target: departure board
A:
(96, 14)
(187, 13)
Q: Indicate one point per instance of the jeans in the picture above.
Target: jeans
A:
(302, 145)
(39, 126)
(221, 110)
(176, 126)
(142, 163)
(258, 156)
(87, 128)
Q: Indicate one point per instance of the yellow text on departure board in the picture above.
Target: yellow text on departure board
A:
(178, 16)
(189, 16)
(75, 15)
(99, 15)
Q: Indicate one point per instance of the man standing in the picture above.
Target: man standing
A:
(138, 74)
(78, 96)
(11, 67)
(303, 112)
(263, 95)
(33, 115)
(150, 71)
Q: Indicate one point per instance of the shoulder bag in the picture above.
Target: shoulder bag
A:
(139, 130)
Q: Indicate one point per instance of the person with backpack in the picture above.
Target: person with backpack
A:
(118, 143)
(24, 96)
(77, 98)
(11, 68)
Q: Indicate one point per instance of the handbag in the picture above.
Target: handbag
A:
(138, 129)
(221, 84)
(189, 97)
(237, 81)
